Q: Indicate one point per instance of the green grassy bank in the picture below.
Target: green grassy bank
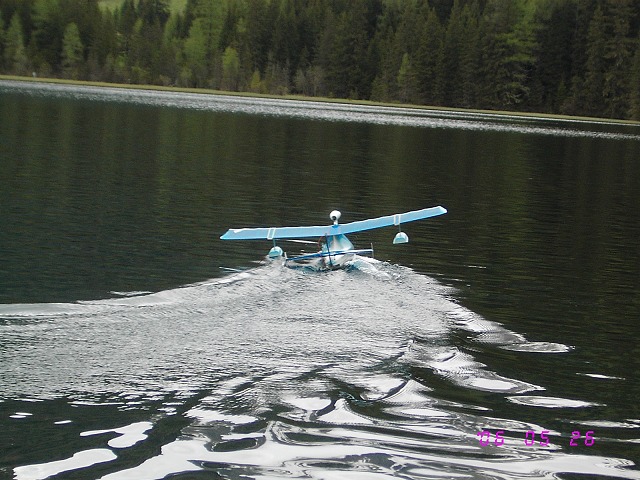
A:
(316, 99)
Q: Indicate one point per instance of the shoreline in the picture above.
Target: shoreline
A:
(303, 98)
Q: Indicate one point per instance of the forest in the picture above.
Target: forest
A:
(573, 57)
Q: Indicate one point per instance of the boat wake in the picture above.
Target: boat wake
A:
(373, 372)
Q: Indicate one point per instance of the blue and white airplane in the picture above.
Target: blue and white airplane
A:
(336, 249)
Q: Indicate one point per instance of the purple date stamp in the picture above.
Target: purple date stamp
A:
(532, 438)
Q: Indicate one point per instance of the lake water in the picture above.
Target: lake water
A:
(134, 344)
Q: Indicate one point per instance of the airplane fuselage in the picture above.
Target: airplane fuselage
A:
(331, 248)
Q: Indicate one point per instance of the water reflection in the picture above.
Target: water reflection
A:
(518, 314)
(332, 112)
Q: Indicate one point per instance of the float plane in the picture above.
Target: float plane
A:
(336, 250)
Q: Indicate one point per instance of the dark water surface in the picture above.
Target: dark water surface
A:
(129, 350)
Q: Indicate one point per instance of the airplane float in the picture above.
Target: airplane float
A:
(336, 249)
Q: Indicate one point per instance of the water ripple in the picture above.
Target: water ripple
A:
(334, 377)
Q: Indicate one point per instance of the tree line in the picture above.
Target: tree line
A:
(576, 57)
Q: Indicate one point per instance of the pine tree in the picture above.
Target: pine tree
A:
(576, 102)
(316, 79)
(48, 30)
(285, 44)
(196, 53)
(595, 66)
(572, 56)
(508, 53)
(448, 87)
(201, 48)
(127, 17)
(277, 78)
(406, 51)
(259, 31)
(2, 34)
(470, 54)
(172, 46)
(230, 69)
(153, 11)
(384, 86)
(72, 51)
(618, 54)
(553, 69)
(428, 57)
(349, 67)
(634, 84)
(407, 85)
(15, 56)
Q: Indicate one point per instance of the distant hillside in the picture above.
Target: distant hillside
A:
(574, 57)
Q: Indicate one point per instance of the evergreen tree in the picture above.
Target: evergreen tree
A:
(310, 22)
(232, 26)
(256, 84)
(258, 36)
(285, 44)
(618, 54)
(407, 84)
(104, 43)
(595, 67)
(554, 63)
(15, 56)
(384, 85)
(202, 45)
(127, 19)
(582, 12)
(508, 53)
(72, 51)
(197, 51)
(448, 87)
(470, 54)
(1, 42)
(148, 53)
(404, 52)
(153, 11)
(634, 83)
(48, 30)
(276, 78)
(316, 78)
(349, 68)
(230, 69)
(409, 28)
(428, 57)
(172, 48)
(571, 56)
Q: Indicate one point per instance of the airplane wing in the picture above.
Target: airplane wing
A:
(270, 233)
(389, 220)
